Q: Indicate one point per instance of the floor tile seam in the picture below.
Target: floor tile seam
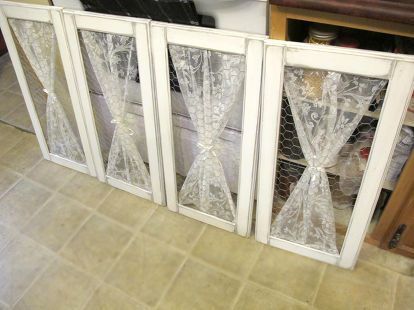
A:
(53, 195)
(103, 278)
(89, 298)
(38, 276)
(9, 112)
(282, 294)
(23, 226)
(366, 261)
(321, 277)
(382, 267)
(15, 142)
(10, 187)
(132, 229)
(2, 303)
(179, 269)
(394, 293)
(246, 276)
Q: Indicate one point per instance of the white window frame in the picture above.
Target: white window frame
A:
(398, 69)
(139, 29)
(163, 34)
(52, 15)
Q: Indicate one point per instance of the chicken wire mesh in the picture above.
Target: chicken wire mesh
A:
(344, 171)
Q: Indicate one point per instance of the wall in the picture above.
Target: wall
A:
(240, 15)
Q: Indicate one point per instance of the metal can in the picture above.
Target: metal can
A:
(322, 34)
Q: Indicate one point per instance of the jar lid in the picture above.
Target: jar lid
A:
(323, 32)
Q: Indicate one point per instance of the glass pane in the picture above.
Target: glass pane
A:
(207, 90)
(112, 72)
(39, 53)
(328, 122)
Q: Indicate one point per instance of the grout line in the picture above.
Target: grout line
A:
(322, 275)
(178, 271)
(246, 277)
(57, 253)
(118, 258)
(394, 291)
(41, 272)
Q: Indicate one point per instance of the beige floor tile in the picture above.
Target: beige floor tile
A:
(107, 298)
(7, 179)
(60, 287)
(15, 88)
(21, 202)
(50, 174)
(86, 189)
(20, 118)
(254, 297)
(291, 274)
(9, 102)
(7, 76)
(173, 228)
(387, 259)
(9, 137)
(96, 246)
(24, 155)
(7, 234)
(3, 306)
(145, 269)
(20, 262)
(201, 287)
(366, 287)
(126, 208)
(226, 250)
(404, 298)
(56, 222)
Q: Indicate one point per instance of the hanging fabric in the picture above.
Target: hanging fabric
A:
(114, 61)
(38, 42)
(326, 109)
(210, 82)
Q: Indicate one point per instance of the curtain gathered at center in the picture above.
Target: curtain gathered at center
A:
(210, 82)
(114, 62)
(326, 108)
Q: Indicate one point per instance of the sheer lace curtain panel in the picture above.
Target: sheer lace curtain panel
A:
(114, 61)
(38, 41)
(210, 82)
(326, 107)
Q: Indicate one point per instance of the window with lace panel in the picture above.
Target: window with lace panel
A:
(207, 89)
(39, 54)
(328, 122)
(111, 68)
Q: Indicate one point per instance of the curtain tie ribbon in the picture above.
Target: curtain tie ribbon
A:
(206, 148)
(50, 94)
(316, 168)
(122, 125)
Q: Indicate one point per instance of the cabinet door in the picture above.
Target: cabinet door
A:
(112, 62)
(37, 45)
(325, 145)
(208, 86)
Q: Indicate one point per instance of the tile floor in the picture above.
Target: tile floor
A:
(12, 107)
(68, 241)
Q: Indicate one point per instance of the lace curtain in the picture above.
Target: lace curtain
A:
(326, 109)
(39, 44)
(114, 61)
(210, 82)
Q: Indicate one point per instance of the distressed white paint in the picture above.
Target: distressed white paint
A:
(399, 69)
